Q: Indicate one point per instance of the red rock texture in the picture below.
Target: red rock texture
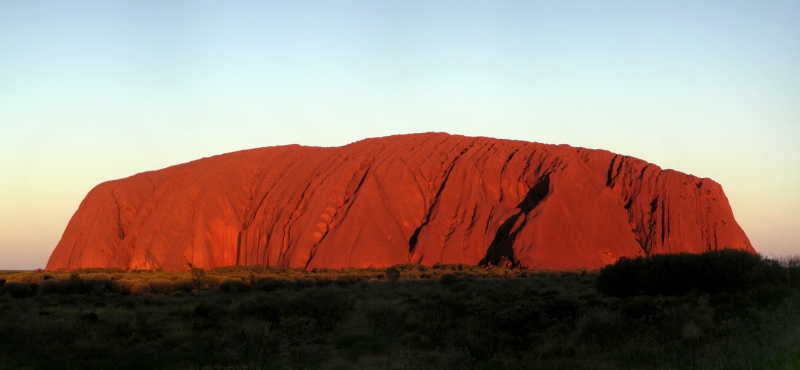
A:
(421, 198)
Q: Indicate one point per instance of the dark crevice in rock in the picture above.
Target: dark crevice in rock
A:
(610, 175)
(501, 248)
(239, 248)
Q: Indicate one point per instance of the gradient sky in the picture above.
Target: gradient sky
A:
(93, 91)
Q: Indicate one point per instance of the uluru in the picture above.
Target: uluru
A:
(428, 199)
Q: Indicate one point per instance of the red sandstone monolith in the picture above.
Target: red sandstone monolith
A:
(421, 198)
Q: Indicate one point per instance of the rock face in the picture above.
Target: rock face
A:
(421, 198)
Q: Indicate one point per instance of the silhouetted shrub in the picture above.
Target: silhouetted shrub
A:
(431, 317)
(672, 321)
(602, 327)
(90, 317)
(298, 333)
(140, 288)
(731, 270)
(448, 279)
(393, 273)
(18, 289)
(125, 286)
(385, 318)
(202, 281)
(75, 285)
(519, 319)
(262, 346)
(264, 309)
(349, 279)
(712, 272)
(234, 286)
(767, 295)
(328, 305)
(182, 286)
(99, 286)
(356, 346)
(270, 284)
(769, 272)
(298, 330)
(209, 315)
(730, 305)
(478, 340)
(119, 329)
(98, 270)
(160, 286)
(304, 282)
(562, 308)
(792, 266)
(639, 307)
(62, 286)
(212, 281)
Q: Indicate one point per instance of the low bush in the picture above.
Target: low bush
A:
(161, 286)
(358, 345)
(393, 273)
(639, 307)
(768, 295)
(328, 305)
(349, 279)
(18, 289)
(208, 316)
(201, 280)
(140, 288)
(61, 286)
(792, 266)
(562, 309)
(712, 272)
(519, 319)
(448, 279)
(234, 286)
(601, 326)
(268, 310)
(385, 318)
(182, 286)
(431, 317)
(76, 285)
(98, 270)
(478, 340)
(100, 286)
(270, 284)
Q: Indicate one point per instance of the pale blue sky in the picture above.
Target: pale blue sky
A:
(92, 91)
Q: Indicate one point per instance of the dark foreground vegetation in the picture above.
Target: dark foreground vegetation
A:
(721, 310)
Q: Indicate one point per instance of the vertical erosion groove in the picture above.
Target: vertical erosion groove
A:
(412, 241)
(120, 226)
